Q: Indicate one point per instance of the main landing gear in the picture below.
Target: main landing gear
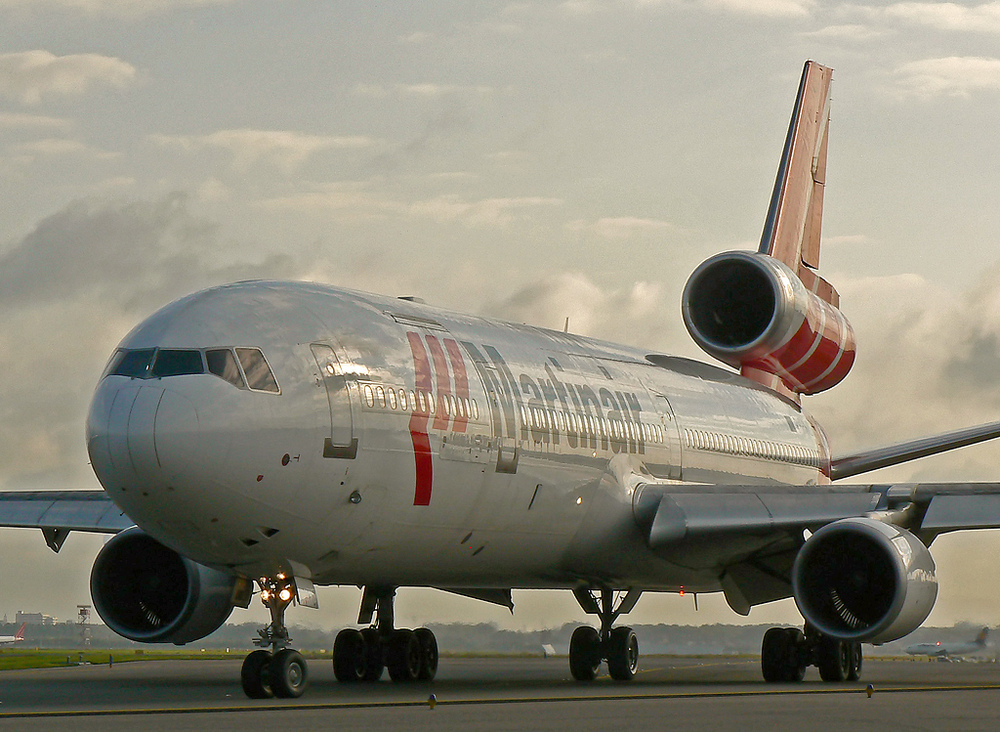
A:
(363, 655)
(618, 646)
(280, 671)
(786, 652)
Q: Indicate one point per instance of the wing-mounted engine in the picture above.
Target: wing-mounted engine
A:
(751, 311)
(859, 579)
(147, 592)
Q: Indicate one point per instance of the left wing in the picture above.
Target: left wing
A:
(754, 533)
(57, 513)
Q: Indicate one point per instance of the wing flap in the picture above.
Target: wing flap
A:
(683, 516)
(957, 512)
(677, 514)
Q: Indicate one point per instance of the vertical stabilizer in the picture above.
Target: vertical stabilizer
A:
(794, 218)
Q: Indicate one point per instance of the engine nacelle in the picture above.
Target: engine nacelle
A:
(859, 579)
(751, 311)
(150, 593)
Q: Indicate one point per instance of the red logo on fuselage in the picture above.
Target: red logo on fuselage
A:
(448, 406)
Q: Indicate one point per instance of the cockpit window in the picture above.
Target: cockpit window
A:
(177, 363)
(241, 367)
(258, 373)
(222, 363)
(134, 364)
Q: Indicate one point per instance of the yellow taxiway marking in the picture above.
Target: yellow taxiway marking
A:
(439, 702)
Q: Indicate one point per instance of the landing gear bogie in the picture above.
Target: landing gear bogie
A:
(588, 647)
(786, 652)
(363, 655)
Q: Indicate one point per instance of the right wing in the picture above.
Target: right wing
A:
(57, 513)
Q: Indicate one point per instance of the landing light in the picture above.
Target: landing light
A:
(285, 595)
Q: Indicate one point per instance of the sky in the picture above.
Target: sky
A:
(530, 161)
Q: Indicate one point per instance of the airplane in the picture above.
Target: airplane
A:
(18, 637)
(289, 435)
(948, 651)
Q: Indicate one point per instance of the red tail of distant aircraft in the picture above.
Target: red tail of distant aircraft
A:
(290, 435)
(8, 640)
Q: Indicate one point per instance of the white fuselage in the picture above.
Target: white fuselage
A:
(406, 445)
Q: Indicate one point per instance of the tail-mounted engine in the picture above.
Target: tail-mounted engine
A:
(859, 579)
(150, 593)
(751, 311)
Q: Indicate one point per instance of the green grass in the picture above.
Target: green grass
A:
(11, 659)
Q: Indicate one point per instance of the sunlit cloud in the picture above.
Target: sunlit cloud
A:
(30, 76)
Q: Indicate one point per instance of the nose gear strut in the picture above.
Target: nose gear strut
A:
(280, 671)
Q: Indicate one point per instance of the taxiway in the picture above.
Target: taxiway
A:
(505, 694)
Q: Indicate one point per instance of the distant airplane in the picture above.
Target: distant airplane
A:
(18, 637)
(952, 650)
(289, 435)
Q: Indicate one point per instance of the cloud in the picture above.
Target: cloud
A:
(954, 76)
(354, 201)
(620, 227)
(29, 76)
(10, 120)
(60, 147)
(426, 90)
(847, 32)
(113, 7)
(984, 18)
(768, 8)
(928, 361)
(624, 315)
(123, 254)
(286, 149)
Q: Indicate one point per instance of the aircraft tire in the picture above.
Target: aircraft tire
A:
(349, 656)
(585, 653)
(854, 672)
(404, 657)
(288, 673)
(428, 653)
(623, 654)
(834, 659)
(254, 675)
(780, 659)
(373, 662)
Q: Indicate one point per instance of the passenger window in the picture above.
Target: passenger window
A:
(391, 393)
(258, 373)
(380, 396)
(133, 364)
(402, 400)
(222, 363)
(475, 409)
(177, 363)
(369, 396)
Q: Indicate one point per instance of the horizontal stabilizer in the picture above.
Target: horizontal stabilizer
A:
(883, 457)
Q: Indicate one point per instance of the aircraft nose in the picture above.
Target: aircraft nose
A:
(135, 429)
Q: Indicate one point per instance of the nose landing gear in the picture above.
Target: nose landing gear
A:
(280, 671)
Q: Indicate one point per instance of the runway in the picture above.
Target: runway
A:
(505, 694)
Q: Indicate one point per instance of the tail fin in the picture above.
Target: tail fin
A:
(981, 638)
(794, 217)
(20, 631)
